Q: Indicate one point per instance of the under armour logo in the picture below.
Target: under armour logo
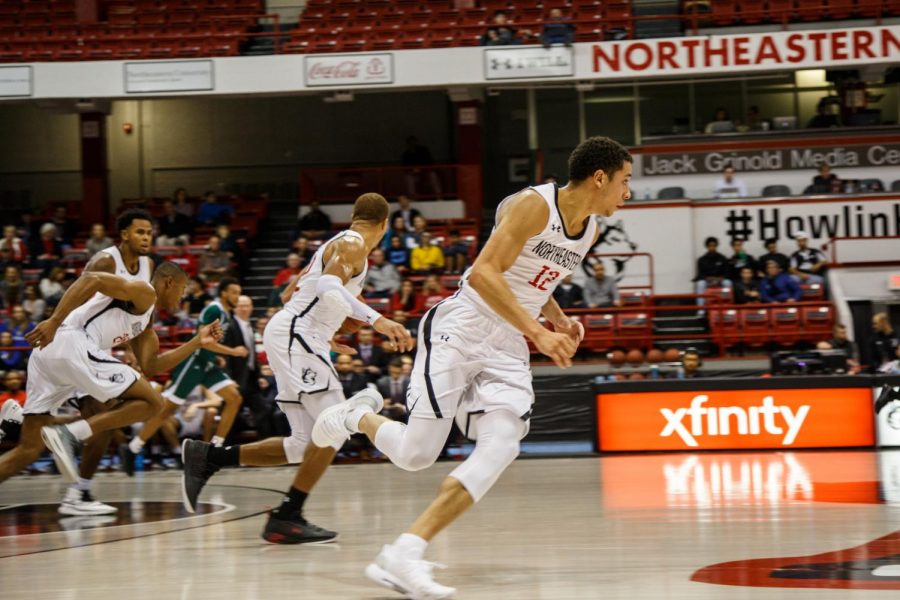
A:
(445, 338)
(556, 228)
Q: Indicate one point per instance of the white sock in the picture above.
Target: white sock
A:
(136, 445)
(217, 441)
(80, 429)
(355, 415)
(411, 546)
(83, 485)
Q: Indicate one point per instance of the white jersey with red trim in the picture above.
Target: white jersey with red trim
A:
(545, 260)
(313, 314)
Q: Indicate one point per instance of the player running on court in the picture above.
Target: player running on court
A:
(72, 354)
(297, 342)
(472, 363)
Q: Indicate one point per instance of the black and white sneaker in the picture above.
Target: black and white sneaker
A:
(197, 471)
(126, 459)
(889, 393)
(82, 503)
(11, 416)
(295, 530)
(64, 446)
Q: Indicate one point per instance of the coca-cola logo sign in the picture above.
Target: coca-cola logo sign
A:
(345, 70)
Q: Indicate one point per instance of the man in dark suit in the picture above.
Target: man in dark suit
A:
(244, 370)
(351, 381)
(393, 388)
(371, 353)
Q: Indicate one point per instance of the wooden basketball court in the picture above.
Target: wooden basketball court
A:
(676, 526)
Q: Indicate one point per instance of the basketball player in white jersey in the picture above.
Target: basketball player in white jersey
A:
(473, 359)
(71, 355)
(129, 260)
(297, 342)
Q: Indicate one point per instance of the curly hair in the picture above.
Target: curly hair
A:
(129, 216)
(597, 153)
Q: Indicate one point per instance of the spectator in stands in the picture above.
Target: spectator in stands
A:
(746, 287)
(778, 286)
(426, 257)
(884, 341)
(303, 250)
(432, 291)
(772, 253)
(690, 365)
(558, 29)
(98, 240)
(212, 212)
(315, 224)
(351, 381)
(51, 285)
(12, 287)
(10, 357)
(414, 236)
(182, 206)
(406, 211)
(173, 226)
(501, 33)
(841, 341)
(244, 370)
(739, 259)
(729, 186)
(33, 303)
(214, 263)
(456, 253)
(807, 264)
(419, 157)
(370, 353)
(46, 249)
(407, 362)
(754, 121)
(196, 297)
(13, 384)
(826, 181)
(393, 387)
(284, 276)
(713, 269)
(398, 253)
(231, 246)
(407, 299)
(19, 322)
(12, 248)
(601, 289)
(721, 122)
(569, 294)
(383, 279)
(66, 228)
(398, 229)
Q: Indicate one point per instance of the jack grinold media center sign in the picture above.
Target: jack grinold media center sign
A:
(775, 159)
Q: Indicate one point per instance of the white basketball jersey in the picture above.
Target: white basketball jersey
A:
(545, 260)
(314, 314)
(107, 321)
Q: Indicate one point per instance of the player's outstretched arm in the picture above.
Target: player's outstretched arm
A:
(521, 219)
(140, 294)
(146, 348)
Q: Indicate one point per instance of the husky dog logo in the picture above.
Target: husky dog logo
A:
(613, 239)
(117, 378)
(308, 376)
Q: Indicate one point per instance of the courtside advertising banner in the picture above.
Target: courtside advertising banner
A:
(736, 419)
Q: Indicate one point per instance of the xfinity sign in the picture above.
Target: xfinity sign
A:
(776, 420)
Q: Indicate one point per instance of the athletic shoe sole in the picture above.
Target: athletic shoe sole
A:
(67, 468)
(68, 509)
(276, 538)
(385, 579)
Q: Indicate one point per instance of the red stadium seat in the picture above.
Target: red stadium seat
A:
(599, 331)
(840, 9)
(724, 12)
(786, 328)
(812, 291)
(781, 10)
(755, 326)
(633, 297)
(725, 326)
(817, 322)
(633, 329)
(752, 11)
